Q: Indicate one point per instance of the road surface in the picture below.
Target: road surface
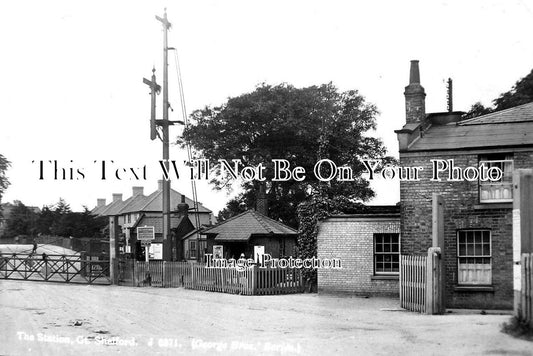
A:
(41, 318)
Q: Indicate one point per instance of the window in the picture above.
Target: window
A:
(386, 253)
(500, 191)
(192, 248)
(474, 257)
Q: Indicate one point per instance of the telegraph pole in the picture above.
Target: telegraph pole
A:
(167, 246)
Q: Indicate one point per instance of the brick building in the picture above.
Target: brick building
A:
(368, 245)
(478, 251)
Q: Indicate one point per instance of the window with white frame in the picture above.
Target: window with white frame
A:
(474, 259)
(387, 253)
(499, 191)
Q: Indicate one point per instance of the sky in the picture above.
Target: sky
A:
(72, 92)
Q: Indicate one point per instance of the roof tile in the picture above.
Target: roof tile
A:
(243, 226)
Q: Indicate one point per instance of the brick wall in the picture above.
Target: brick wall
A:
(462, 210)
(351, 239)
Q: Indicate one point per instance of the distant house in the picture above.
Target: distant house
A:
(140, 210)
(249, 231)
(368, 246)
(478, 215)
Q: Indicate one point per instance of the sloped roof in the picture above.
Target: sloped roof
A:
(97, 210)
(511, 127)
(155, 202)
(517, 114)
(113, 208)
(142, 203)
(243, 226)
(157, 222)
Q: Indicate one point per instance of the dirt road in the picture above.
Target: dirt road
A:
(40, 318)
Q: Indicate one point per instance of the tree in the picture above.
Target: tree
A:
(310, 212)
(476, 110)
(284, 122)
(59, 220)
(4, 182)
(21, 221)
(520, 93)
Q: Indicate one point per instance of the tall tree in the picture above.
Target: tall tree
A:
(284, 122)
(59, 220)
(21, 221)
(520, 93)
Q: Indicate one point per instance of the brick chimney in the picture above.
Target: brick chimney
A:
(160, 184)
(261, 205)
(100, 203)
(117, 197)
(415, 105)
(183, 207)
(137, 191)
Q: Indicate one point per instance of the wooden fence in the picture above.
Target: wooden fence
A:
(525, 311)
(248, 281)
(413, 274)
(421, 288)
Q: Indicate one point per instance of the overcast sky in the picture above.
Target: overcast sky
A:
(71, 86)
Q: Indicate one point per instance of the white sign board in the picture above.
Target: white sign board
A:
(156, 251)
(145, 233)
(259, 251)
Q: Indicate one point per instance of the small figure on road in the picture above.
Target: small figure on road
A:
(34, 250)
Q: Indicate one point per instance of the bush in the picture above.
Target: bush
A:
(518, 328)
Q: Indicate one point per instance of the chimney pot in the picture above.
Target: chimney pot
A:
(183, 207)
(137, 191)
(414, 74)
(415, 96)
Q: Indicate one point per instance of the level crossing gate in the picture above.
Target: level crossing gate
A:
(54, 268)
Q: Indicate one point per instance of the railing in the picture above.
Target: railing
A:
(54, 268)
(248, 281)
(525, 311)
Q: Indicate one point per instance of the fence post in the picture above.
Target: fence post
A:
(253, 284)
(192, 277)
(522, 228)
(434, 287)
(438, 241)
(163, 282)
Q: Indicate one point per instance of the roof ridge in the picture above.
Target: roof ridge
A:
(280, 224)
(156, 193)
(259, 219)
(228, 220)
(129, 201)
(110, 206)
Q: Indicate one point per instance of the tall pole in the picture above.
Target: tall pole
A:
(167, 246)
